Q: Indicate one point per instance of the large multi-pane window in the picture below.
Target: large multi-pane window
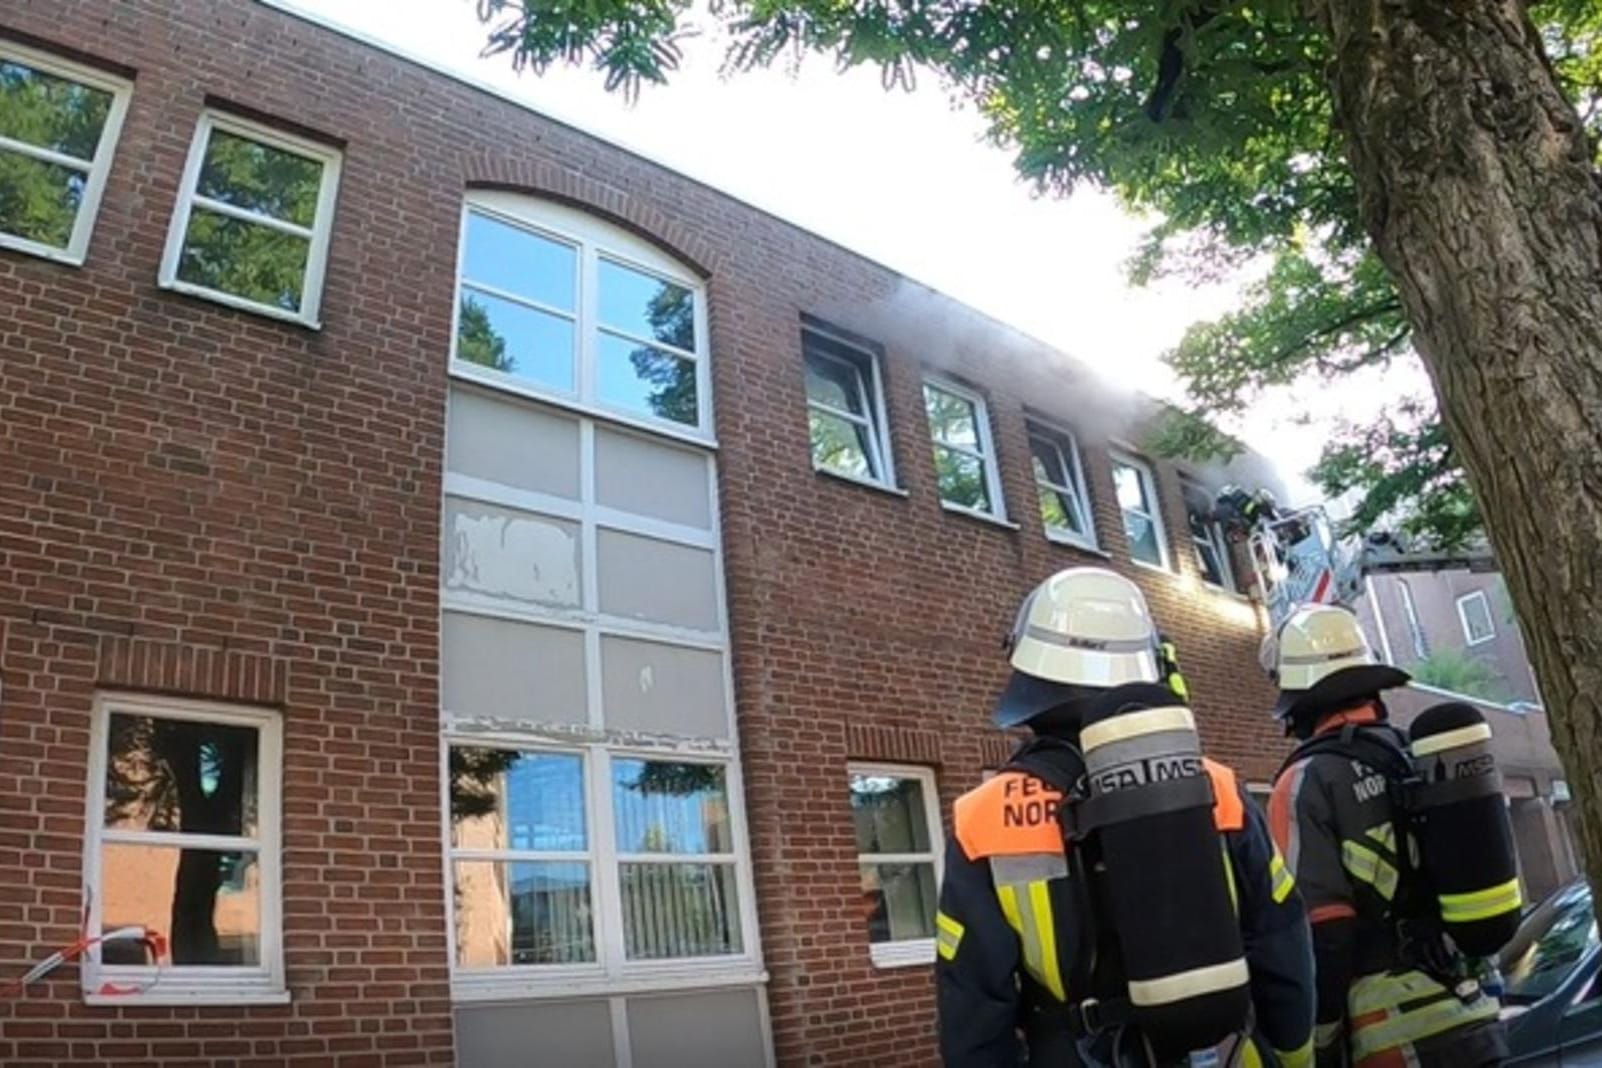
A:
(552, 303)
(58, 130)
(895, 813)
(595, 833)
(1060, 485)
(964, 456)
(845, 408)
(182, 844)
(1136, 487)
(254, 215)
(588, 860)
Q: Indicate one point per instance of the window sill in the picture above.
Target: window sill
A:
(910, 954)
(190, 995)
(865, 483)
(228, 300)
(493, 988)
(982, 517)
(44, 252)
(466, 372)
(1081, 545)
(1161, 569)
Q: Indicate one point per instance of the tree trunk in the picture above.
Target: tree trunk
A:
(1478, 188)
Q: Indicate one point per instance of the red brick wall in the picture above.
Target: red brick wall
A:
(255, 508)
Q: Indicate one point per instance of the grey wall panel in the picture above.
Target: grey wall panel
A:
(643, 578)
(649, 686)
(535, 1034)
(510, 670)
(512, 442)
(712, 1029)
(652, 478)
(512, 554)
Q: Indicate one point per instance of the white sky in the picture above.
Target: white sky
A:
(900, 177)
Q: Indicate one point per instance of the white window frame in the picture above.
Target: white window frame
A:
(98, 169)
(1054, 434)
(594, 240)
(911, 951)
(612, 971)
(317, 235)
(1148, 480)
(986, 455)
(190, 984)
(877, 420)
(1216, 539)
(1415, 630)
(1462, 617)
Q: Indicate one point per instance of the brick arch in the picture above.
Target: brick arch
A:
(548, 181)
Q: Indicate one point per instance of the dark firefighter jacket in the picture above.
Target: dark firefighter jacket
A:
(1007, 936)
(1331, 816)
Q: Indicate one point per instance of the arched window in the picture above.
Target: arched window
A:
(557, 304)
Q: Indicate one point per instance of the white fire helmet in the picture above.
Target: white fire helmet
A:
(1321, 658)
(1085, 626)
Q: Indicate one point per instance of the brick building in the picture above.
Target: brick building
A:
(484, 597)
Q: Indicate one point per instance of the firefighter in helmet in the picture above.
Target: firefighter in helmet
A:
(1391, 992)
(1033, 952)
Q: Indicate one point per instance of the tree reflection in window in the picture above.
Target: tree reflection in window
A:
(39, 199)
(477, 340)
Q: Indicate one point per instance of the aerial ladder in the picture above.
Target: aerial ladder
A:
(1297, 559)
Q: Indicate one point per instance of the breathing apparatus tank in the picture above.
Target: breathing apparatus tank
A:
(1150, 805)
(1461, 822)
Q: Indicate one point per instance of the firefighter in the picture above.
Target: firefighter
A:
(1391, 991)
(1028, 967)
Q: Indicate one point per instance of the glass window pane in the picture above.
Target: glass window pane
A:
(260, 178)
(515, 340)
(510, 258)
(205, 903)
(39, 201)
(646, 306)
(507, 552)
(1142, 534)
(244, 259)
(49, 112)
(502, 799)
(1048, 462)
(836, 384)
(841, 445)
(680, 910)
(899, 900)
(639, 378)
(1059, 511)
(670, 808)
(889, 814)
(510, 913)
(951, 418)
(962, 479)
(1207, 562)
(180, 775)
(1131, 488)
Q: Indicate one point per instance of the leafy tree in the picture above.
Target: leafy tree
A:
(1418, 163)
(1460, 672)
(477, 340)
(671, 315)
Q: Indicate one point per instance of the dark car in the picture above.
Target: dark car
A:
(1553, 997)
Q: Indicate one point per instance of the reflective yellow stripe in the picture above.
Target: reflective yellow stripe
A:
(1047, 933)
(1279, 876)
(1368, 866)
(1296, 1058)
(1384, 834)
(1481, 904)
(1229, 877)
(948, 936)
(1030, 916)
(1249, 1057)
(1409, 1027)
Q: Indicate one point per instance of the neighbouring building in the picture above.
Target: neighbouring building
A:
(1456, 631)
(485, 598)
